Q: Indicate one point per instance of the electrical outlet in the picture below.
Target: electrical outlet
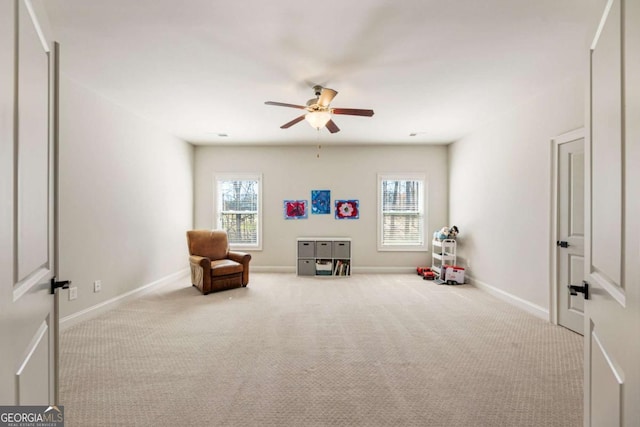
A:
(73, 293)
(97, 286)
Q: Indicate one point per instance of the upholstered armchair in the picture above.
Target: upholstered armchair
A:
(213, 266)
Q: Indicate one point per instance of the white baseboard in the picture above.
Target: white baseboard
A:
(525, 305)
(109, 304)
(355, 270)
(383, 270)
(271, 269)
(97, 309)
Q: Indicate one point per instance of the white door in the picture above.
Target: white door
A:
(612, 256)
(27, 223)
(570, 228)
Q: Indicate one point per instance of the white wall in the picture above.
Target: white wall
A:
(126, 199)
(350, 172)
(500, 180)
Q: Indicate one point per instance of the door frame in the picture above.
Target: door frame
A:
(556, 142)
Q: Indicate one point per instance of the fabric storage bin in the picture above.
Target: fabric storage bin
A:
(341, 249)
(306, 249)
(306, 267)
(323, 249)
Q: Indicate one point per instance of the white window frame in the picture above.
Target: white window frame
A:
(418, 246)
(217, 224)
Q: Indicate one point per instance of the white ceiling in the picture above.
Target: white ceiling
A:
(198, 68)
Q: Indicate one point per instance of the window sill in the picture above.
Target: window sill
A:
(245, 248)
(403, 249)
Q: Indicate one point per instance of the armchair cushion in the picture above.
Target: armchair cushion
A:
(223, 267)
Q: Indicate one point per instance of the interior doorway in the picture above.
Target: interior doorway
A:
(568, 229)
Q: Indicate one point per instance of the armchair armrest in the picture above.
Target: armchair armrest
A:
(201, 261)
(201, 272)
(242, 258)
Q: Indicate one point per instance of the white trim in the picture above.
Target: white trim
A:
(35, 278)
(553, 228)
(273, 269)
(601, 25)
(424, 196)
(36, 25)
(525, 305)
(615, 368)
(616, 293)
(354, 270)
(244, 176)
(383, 270)
(33, 345)
(112, 303)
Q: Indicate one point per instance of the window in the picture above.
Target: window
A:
(401, 212)
(238, 209)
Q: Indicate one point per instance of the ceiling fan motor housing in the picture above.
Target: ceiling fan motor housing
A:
(312, 104)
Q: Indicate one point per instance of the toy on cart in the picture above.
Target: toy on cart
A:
(452, 275)
(446, 233)
(426, 273)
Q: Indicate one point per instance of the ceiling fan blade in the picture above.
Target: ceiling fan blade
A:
(282, 104)
(292, 122)
(333, 128)
(326, 96)
(352, 111)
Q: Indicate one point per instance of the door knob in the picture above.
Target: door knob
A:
(562, 244)
(584, 289)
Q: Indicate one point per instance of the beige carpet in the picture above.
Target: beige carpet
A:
(369, 350)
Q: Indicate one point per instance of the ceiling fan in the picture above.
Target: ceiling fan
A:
(319, 112)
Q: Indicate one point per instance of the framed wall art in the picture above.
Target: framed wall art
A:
(320, 202)
(295, 209)
(347, 209)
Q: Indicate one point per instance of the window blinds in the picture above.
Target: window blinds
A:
(402, 212)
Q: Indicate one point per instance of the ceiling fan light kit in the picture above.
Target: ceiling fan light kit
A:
(318, 119)
(318, 111)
